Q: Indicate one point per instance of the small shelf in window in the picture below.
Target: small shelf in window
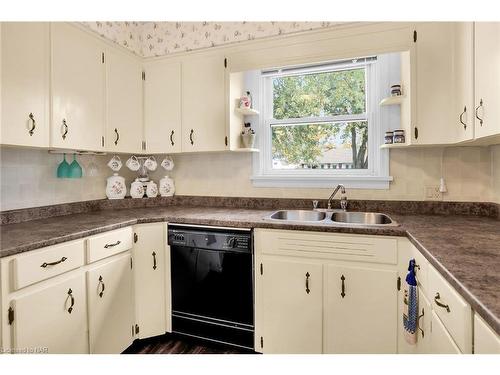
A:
(247, 111)
(393, 100)
(242, 149)
(396, 145)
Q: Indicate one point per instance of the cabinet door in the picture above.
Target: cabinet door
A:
(77, 89)
(52, 317)
(111, 308)
(25, 84)
(424, 323)
(203, 104)
(487, 78)
(434, 83)
(292, 304)
(123, 102)
(150, 270)
(162, 107)
(463, 108)
(361, 310)
(486, 341)
(441, 341)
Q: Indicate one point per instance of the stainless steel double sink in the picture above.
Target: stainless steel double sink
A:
(334, 217)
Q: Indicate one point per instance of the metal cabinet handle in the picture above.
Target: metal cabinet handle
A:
(112, 244)
(33, 124)
(418, 323)
(307, 283)
(342, 292)
(477, 116)
(66, 128)
(70, 295)
(191, 136)
(101, 282)
(154, 260)
(172, 138)
(44, 265)
(117, 136)
(461, 119)
(436, 299)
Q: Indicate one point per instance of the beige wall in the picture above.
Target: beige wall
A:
(28, 177)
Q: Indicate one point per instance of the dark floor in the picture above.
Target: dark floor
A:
(174, 344)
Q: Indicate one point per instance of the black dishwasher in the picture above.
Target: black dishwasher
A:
(212, 283)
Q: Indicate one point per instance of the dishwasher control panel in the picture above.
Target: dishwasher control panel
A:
(210, 238)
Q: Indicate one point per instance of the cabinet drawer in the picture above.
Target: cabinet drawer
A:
(48, 262)
(360, 248)
(108, 244)
(454, 312)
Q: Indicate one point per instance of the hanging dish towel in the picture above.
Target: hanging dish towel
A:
(410, 309)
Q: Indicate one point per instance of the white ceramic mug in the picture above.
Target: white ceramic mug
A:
(151, 163)
(115, 163)
(167, 163)
(133, 163)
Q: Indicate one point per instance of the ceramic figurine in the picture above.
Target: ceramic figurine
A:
(115, 188)
(152, 189)
(136, 189)
(167, 187)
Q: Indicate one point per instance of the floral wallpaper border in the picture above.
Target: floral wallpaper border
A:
(149, 39)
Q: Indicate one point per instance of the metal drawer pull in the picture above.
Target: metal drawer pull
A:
(418, 323)
(154, 260)
(436, 298)
(191, 137)
(70, 295)
(108, 245)
(479, 118)
(172, 138)
(117, 136)
(66, 128)
(44, 265)
(461, 119)
(101, 293)
(342, 293)
(33, 124)
(307, 283)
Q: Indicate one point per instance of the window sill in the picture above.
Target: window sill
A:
(352, 182)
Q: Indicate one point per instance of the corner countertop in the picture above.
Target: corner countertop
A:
(464, 249)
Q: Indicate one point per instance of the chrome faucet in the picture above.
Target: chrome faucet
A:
(343, 198)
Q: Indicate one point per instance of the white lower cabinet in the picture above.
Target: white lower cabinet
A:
(441, 341)
(292, 303)
(51, 317)
(486, 341)
(151, 273)
(111, 305)
(361, 310)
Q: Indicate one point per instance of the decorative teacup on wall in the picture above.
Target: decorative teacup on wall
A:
(151, 163)
(167, 163)
(115, 163)
(133, 163)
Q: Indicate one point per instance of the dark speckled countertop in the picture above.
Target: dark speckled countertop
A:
(464, 249)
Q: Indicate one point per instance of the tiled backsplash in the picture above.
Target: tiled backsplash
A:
(28, 177)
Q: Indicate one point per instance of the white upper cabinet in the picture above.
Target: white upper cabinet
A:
(77, 89)
(203, 103)
(162, 107)
(462, 127)
(434, 82)
(24, 84)
(487, 78)
(123, 102)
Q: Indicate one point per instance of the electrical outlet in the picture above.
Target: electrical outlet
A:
(432, 193)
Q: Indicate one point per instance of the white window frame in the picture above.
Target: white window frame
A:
(377, 174)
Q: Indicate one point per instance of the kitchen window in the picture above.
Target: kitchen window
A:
(320, 126)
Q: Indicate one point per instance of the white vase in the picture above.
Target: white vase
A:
(167, 187)
(115, 187)
(152, 189)
(136, 189)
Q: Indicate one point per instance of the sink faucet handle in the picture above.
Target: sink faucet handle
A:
(315, 204)
(343, 202)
